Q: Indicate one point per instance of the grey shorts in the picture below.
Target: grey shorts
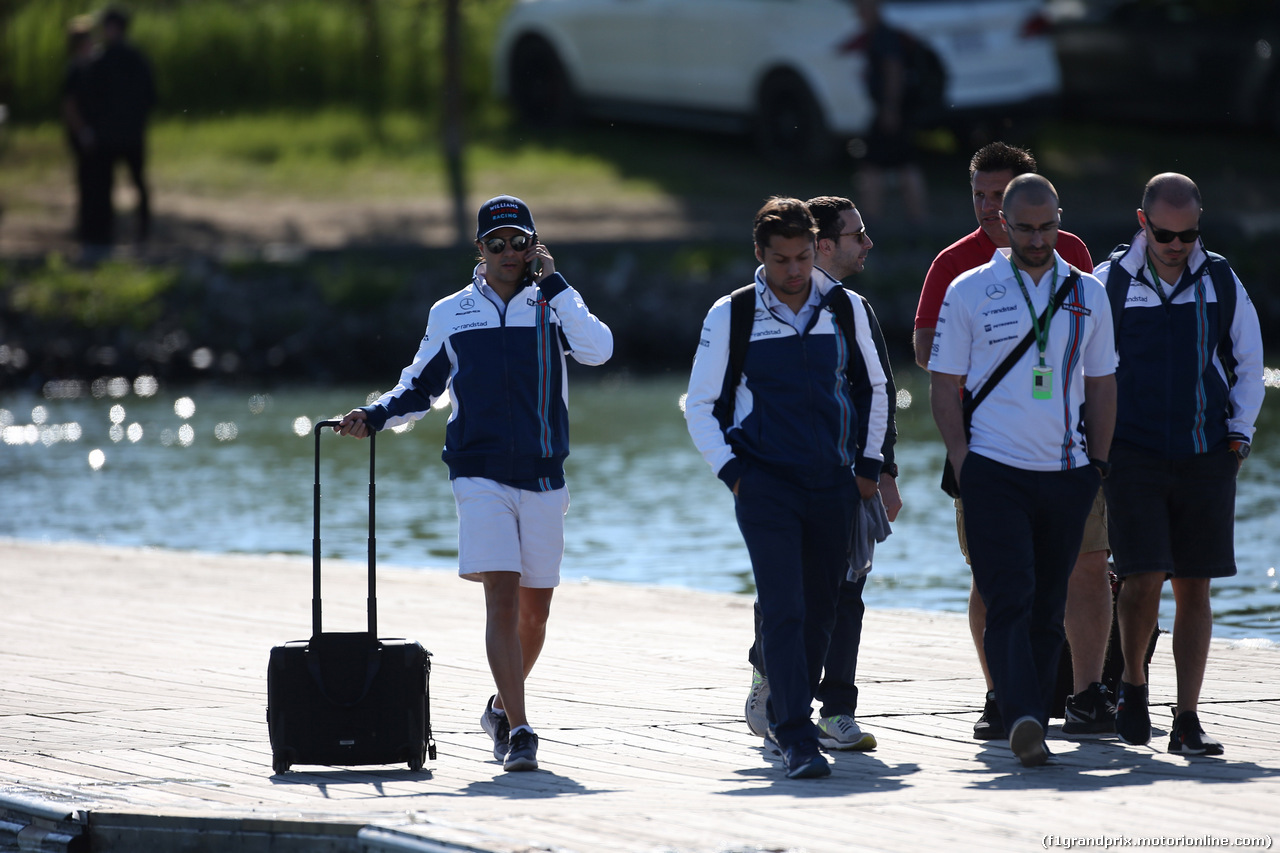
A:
(1175, 516)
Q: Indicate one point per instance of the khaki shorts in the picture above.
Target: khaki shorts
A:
(1095, 528)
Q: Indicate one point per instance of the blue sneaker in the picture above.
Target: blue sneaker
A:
(805, 761)
(498, 727)
(1133, 718)
(523, 754)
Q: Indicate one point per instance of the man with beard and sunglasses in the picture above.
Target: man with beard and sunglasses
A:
(1032, 336)
(1189, 390)
(497, 348)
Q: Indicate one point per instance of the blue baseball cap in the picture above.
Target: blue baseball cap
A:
(504, 211)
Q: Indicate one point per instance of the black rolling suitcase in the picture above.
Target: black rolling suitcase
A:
(348, 698)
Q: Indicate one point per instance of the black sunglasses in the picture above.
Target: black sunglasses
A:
(1164, 236)
(519, 243)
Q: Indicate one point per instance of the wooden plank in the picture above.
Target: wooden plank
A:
(145, 692)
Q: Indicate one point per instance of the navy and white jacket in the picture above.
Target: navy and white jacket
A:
(505, 376)
(795, 411)
(1173, 395)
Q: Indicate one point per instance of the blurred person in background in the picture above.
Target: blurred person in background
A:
(120, 94)
(891, 140)
(75, 84)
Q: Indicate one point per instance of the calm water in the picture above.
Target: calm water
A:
(214, 469)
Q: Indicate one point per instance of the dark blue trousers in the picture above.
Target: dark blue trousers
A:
(837, 691)
(798, 540)
(1024, 530)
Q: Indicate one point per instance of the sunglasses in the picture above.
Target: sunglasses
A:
(1163, 236)
(859, 235)
(519, 243)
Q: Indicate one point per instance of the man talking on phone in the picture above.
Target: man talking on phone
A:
(498, 348)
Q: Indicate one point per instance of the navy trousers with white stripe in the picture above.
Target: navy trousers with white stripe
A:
(1024, 530)
(798, 539)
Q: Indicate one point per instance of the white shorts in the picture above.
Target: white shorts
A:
(505, 529)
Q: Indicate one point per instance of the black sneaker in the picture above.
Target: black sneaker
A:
(523, 754)
(989, 725)
(1188, 738)
(805, 761)
(498, 727)
(1133, 720)
(1026, 739)
(1090, 712)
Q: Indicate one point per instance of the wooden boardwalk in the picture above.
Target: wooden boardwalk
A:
(132, 714)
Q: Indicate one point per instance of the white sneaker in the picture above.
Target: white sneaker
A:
(843, 732)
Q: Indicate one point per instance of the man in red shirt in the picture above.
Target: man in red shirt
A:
(1088, 619)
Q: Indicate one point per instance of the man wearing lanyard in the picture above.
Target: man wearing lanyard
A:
(1029, 469)
(1088, 618)
(1189, 390)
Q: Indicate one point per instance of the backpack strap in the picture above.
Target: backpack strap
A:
(1117, 288)
(1224, 286)
(742, 315)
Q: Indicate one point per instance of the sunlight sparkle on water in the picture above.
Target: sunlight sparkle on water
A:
(39, 415)
(134, 433)
(302, 425)
(146, 386)
(117, 414)
(226, 431)
(97, 459)
(184, 407)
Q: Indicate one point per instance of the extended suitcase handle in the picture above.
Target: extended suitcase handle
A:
(315, 541)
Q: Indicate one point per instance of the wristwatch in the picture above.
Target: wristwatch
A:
(1103, 466)
(1240, 449)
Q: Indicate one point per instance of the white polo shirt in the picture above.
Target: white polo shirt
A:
(984, 316)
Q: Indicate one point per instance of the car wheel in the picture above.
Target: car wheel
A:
(539, 86)
(790, 128)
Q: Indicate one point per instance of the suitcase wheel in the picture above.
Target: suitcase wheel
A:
(280, 762)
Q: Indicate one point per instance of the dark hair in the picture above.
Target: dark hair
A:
(999, 156)
(1173, 189)
(826, 210)
(117, 15)
(785, 217)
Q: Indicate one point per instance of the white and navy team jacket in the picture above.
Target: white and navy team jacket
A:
(795, 411)
(1174, 397)
(506, 380)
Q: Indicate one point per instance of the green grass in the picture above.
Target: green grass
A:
(341, 154)
(116, 293)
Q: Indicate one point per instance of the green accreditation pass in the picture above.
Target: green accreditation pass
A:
(1041, 374)
(1042, 382)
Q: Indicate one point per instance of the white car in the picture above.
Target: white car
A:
(778, 68)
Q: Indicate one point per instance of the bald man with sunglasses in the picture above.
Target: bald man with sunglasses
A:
(1189, 389)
